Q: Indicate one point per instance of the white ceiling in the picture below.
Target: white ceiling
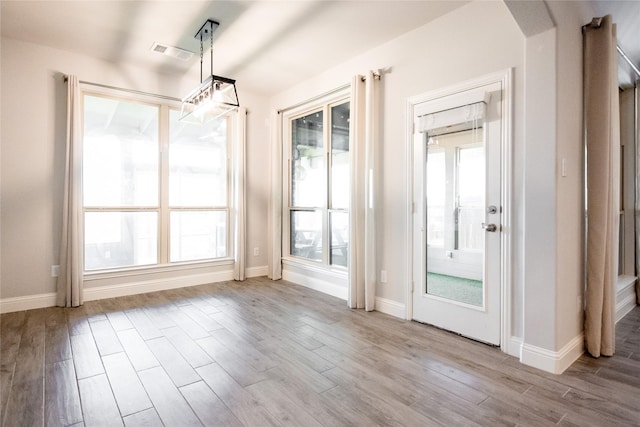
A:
(626, 16)
(266, 46)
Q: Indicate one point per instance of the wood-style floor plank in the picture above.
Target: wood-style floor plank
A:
(130, 396)
(146, 418)
(270, 396)
(138, 351)
(207, 406)
(187, 347)
(236, 397)
(25, 405)
(85, 356)
(178, 369)
(98, 404)
(105, 337)
(265, 353)
(62, 399)
(171, 406)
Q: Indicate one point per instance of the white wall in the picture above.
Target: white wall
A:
(33, 137)
(475, 40)
(569, 18)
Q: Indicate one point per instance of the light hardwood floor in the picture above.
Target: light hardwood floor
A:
(265, 353)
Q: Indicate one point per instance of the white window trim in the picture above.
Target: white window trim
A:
(164, 104)
(333, 98)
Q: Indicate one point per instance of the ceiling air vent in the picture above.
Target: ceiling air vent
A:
(172, 51)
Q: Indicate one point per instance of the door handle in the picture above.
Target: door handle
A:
(489, 227)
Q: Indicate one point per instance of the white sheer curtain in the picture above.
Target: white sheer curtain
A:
(602, 133)
(362, 257)
(239, 148)
(71, 254)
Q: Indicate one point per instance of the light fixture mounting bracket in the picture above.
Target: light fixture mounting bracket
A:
(207, 29)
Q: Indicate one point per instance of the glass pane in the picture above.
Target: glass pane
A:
(455, 213)
(120, 239)
(198, 235)
(436, 189)
(471, 176)
(306, 234)
(197, 162)
(340, 156)
(470, 209)
(339, 238)
(469, 231)
(308, 171)
(120, 153)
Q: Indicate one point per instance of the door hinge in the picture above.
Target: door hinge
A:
(413, 284)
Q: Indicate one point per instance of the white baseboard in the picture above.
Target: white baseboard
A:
(555, 362)
(390, 307)
(256, 271)
(625, 297)
(112, 291)
(315, 284)
(514, 347)
(29, 302)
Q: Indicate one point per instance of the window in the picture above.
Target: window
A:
(145, 205)
(455, 195)
(318, 176)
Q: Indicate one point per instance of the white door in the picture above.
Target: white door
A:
(457, 212)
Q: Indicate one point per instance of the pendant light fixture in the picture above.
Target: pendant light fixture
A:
(215, 96)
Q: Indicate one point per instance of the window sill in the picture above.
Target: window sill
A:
(340, 273)
(154, 269)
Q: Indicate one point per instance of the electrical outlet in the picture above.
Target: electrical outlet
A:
(383, 276)
(256, 251)
(55, 270)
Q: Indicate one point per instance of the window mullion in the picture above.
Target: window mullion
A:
(326, 244)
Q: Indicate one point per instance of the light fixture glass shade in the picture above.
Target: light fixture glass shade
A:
(214, 97)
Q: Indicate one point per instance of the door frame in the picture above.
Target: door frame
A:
(505, 78)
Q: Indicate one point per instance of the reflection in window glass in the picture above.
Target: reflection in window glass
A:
(339, 238)
(120, 153)
(120, 239)
(471, 176)
(197, 162)
(470, 209)
(306, 234)
(340, 156)
(436, 195)
(308, 173)
(198, 235)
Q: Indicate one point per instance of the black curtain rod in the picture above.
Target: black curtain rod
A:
(137, 92)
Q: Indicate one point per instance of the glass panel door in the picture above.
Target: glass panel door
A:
(458, 211)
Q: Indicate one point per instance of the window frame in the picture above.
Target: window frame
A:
(325, 105)
(163, 208)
